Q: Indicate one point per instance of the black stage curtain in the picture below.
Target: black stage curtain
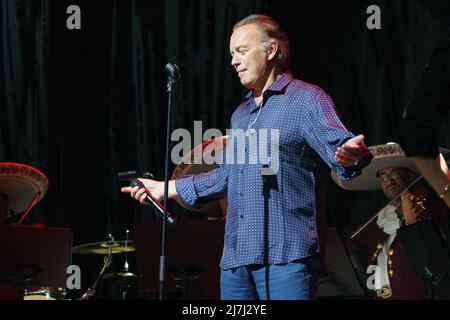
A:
(82, 105)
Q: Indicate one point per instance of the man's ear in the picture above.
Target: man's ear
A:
(272, 50)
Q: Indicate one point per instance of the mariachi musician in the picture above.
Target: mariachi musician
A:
(395, 275)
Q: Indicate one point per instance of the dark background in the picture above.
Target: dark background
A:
(82, 105)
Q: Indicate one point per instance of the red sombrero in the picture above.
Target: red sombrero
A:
(24, 185)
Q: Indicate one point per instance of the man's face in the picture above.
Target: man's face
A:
(249, 58)
(393, 180)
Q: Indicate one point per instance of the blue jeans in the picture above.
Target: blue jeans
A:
(287, 281)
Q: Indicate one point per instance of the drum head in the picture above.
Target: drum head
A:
(45, 293)
(203, 158)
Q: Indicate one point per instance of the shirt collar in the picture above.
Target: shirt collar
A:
(277, 86)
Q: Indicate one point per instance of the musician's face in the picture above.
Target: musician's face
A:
(249, 57)
(393, 180)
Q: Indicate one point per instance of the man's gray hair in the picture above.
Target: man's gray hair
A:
(271, 30)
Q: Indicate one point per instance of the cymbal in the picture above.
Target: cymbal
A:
(119, 246)
(121, 277)
(194, 163)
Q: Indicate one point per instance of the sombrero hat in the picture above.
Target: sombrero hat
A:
(22, 184)
(384, 156)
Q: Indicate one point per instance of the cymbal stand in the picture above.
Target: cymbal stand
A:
(106, 263)
(124, 288)
(125, 267)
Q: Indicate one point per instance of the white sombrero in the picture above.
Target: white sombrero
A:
(384, 156)
(22, 184)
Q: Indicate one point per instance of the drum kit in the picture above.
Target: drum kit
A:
(22, 187)
(122, 283)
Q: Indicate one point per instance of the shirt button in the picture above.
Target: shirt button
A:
(242, 171)
(241, 194)
(241, 216)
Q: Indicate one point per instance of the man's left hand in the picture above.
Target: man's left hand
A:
(349, 154)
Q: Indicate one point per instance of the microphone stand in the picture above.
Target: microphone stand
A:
(173, 74)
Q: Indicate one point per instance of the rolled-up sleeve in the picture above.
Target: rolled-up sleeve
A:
(197, 190)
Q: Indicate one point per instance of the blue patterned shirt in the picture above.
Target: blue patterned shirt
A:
(273, 219)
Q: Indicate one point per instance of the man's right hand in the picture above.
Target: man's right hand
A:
(410, 211)
(156, 188)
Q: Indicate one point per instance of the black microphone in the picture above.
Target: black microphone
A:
(173, 71)
(130, 175)
(152, 200)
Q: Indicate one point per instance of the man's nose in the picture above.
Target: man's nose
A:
(390, 182)
(234, 61)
